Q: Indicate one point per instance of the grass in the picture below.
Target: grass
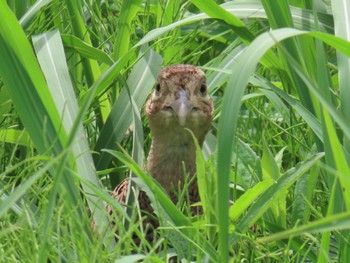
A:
(74, 75)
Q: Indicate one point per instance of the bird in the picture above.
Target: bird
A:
(179, 102)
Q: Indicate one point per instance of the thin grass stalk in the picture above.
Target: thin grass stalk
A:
(341, 14)
(128, 11)
(91, 68)
(279, 16)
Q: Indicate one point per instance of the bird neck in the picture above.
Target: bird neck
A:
(172, 153)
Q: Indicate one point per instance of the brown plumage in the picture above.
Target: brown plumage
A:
(180, 100)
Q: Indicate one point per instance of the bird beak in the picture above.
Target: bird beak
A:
(182, 106)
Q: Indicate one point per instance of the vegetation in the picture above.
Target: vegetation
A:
(74, 76)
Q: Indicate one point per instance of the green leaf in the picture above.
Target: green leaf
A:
(52, 59)
(128, 11)
(139, 83)
(90, 67)
(247, 199)
(34, 9)
(86, 50)
(265, 200)
(215, 11)
(341, 11)
(28, 90)
(270, 172)
(15, 136)
(330, 223)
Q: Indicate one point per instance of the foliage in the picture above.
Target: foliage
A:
(74, 76)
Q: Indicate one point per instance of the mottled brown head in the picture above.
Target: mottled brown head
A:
(180, 100)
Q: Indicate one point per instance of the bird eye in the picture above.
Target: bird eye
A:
(203, 89)
(158, 87)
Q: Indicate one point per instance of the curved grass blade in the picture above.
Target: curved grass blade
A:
(341, 12)
(330, 223)
(34, 9)
(86, 50)
(128, 11)
(264, 201)
(51, 57)
(91, 68)
(28, 90)
(15, 136)
(301, 17)
(241, 72)
(215, 11)
(140, 82)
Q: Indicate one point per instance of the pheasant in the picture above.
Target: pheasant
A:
(180, 100)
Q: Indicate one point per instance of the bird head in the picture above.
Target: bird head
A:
(180, 100)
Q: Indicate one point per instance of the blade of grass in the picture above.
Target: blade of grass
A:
(241, 72)
(21, 190)
(128, 11)
(302, 17)
(137, 155)
(311, 120)
(279, 16)
(15, 136)
(34, 9)
(86, 50)
(31, 97)
(270, 172)
(341, 13)
(91, 68)
(330, 223)
(28, 90)
(264, 201)
(245, 200)
(50, 52)
(215, 11)
(140, 82)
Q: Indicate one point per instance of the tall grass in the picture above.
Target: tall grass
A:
(274, 170)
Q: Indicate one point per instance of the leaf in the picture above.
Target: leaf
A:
(52, 59)
(265, 200)
(86, 50)
(140, 82)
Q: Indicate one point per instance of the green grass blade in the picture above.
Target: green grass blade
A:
(15, 136)
(20, 191)
(91, 68)
(206, 185)
(215, 11)
(241, 72)
(34, 9)
(330, 223)
(28, 90)
(302, 18)
(311, 120)
(137, 155)
(247, 199)
(140, 82)
(303, 194)
(51, 57)
(280, 17)
(264, 201)
(334, 150)
(270, 172)
(341, 12)
(85, 50)
(128, 11)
